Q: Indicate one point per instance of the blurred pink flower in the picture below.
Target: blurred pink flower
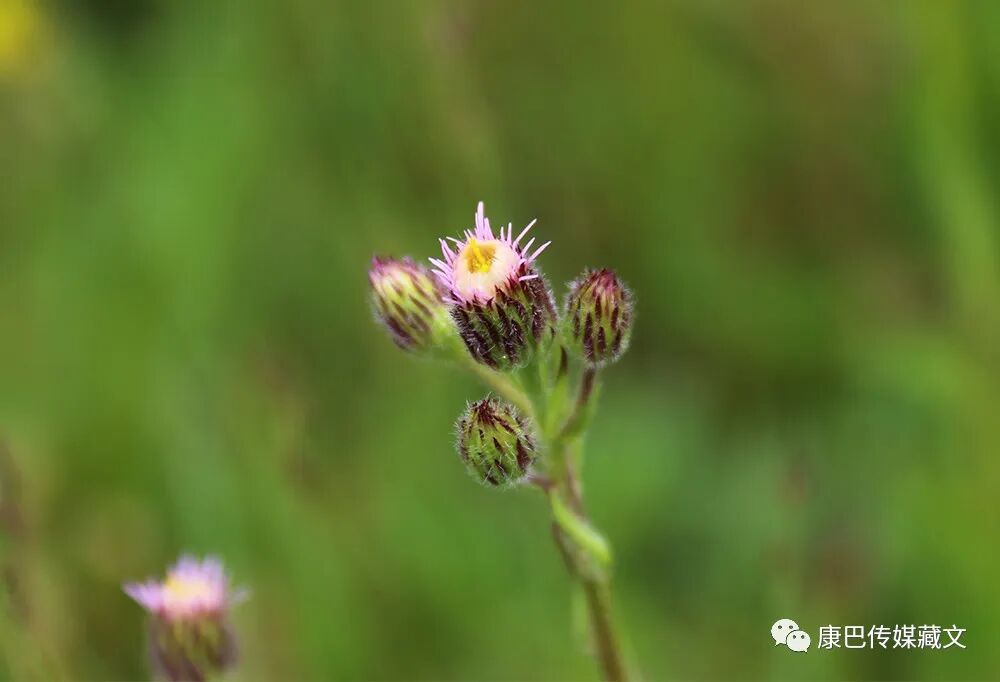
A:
(191, 589)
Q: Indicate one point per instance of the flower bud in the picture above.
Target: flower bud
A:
(506, 332)
(495, 442)
(502, 307)
(598, 320)
(407, 300)
(189, 633)
(190, 649)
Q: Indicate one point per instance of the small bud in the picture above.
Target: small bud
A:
(495, 442)
(189, 633)
(498, 299)
(407, 300)
(598, 320)
(190, 650)
(506, 332)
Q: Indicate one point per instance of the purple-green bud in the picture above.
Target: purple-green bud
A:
(191, 649)
(506, 331)
(496, 443)
(598, 320)
(407, 301)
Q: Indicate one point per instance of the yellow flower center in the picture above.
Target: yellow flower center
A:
(181, 589)
(478, 256)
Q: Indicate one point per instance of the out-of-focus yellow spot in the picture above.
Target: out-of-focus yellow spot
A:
(186, 588)
(20, 29)
(479, 256)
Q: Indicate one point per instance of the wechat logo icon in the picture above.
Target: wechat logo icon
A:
(786, 631)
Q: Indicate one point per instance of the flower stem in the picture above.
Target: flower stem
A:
(609, 654)
(502, 385)
(585, 550)
(582, 409)
(580, 531)
(587, 555)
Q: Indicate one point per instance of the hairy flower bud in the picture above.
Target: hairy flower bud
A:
(506, 332)
(499, 301)
(495, 442)
(190, 650)
(189, 633)
(407, 300)
(598, 320)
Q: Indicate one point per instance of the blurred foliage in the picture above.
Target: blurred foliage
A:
(803, 196)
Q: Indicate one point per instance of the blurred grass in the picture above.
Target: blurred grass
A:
(802, 196)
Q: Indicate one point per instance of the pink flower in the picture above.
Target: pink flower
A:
(191, 589)
(483, 262)
(501, 306)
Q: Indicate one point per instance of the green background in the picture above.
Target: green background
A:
(802, 195)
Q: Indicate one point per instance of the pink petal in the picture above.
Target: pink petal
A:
(524, 232)
(538, 251)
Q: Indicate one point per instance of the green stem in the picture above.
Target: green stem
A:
(558, 393)
(588, 557)
(502, 385)
(605, 637)
(587, 553)
(581, 532)
(583, 408)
